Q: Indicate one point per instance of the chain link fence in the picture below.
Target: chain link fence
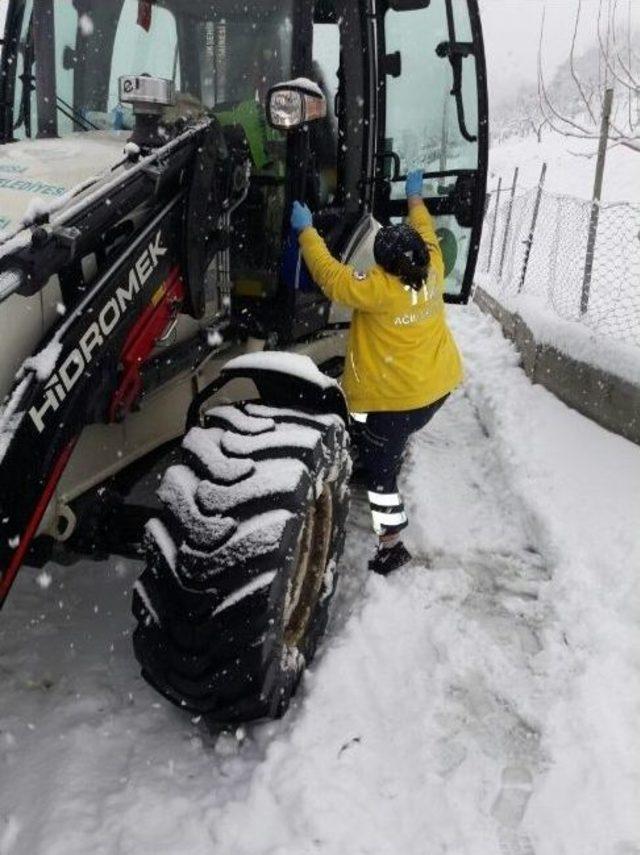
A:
(603, 295)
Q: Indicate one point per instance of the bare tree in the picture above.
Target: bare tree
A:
(617, 68)
(520, 116)
(537, 125)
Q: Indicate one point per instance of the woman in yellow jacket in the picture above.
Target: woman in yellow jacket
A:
(402, 362)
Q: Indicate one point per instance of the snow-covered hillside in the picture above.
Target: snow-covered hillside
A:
(482, 701)
(571, 165)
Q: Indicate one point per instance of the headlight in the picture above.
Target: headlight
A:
(295, 103)
(286, 109)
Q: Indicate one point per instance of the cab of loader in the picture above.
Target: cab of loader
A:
(404, 85)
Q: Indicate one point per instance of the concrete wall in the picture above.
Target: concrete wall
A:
(606, 399)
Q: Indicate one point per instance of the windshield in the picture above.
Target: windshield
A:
(74, 51)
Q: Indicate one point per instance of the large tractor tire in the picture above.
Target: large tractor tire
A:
(242, 562)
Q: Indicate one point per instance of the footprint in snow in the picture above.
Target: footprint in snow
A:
(509, 809)
(511, 802)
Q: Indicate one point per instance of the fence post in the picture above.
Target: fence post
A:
(595, 206)
(495, 223)
(534, 220)
(507, 225)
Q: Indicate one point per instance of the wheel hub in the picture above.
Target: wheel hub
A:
(311, 561)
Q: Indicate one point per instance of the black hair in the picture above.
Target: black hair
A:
(401, 251)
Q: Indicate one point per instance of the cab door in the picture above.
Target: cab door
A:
(433, 114)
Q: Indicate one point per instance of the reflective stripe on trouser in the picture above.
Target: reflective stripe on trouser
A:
(381, 438)
(387, 512)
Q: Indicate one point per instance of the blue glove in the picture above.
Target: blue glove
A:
(414, 183)
(301, 217)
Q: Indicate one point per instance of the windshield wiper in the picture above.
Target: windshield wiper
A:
(456, 52)
(75, 116)
(27, 80)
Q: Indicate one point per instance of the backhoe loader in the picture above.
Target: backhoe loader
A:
(155, 315)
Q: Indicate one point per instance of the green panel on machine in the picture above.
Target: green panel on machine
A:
(449, 247)
(251, 117)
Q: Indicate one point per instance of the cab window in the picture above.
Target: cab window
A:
(432, 83)
(426, 131)
(324, 133)
(144, 45)
(87, 87)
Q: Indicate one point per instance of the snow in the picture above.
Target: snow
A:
(11, 415)
(9, 835)
(40, 209)
(77, 198)
(256, 537)
(104, 188)
(85, 24)
(142, 593)
(266, 528)
(295, 364)
(271, 478)
(324, 419)
(258, 584)
(581, 487)
(132, 150)
(571, 167)
(241, 422)
(571, 337)
(214, 338)
(177, 491)
(43, 364)
(205, 445)
(44, 579)
(285, 436)
(303, 83)
(483, 700)
(157, 531)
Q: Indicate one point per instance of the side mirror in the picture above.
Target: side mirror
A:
(295, 103)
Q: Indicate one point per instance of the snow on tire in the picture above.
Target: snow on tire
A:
(241, 564)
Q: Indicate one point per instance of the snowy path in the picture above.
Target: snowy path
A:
(483, 700)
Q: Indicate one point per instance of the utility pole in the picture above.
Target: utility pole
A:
(597, 195)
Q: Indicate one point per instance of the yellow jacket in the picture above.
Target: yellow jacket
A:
(401, 354)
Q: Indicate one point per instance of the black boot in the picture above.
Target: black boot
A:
(388, 559)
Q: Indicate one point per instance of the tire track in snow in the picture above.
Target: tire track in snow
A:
(497, 545)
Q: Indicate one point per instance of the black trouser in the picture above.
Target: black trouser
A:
(381, 441)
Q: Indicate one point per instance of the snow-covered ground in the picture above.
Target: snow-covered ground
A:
(620, 358)
(484, 700)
